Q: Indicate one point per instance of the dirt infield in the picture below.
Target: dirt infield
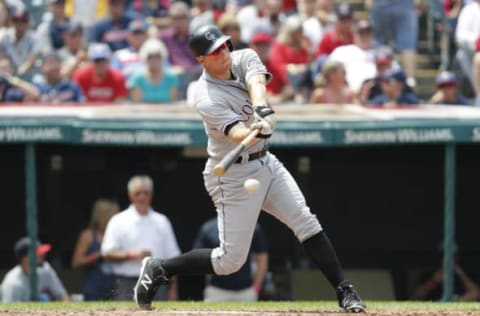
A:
(135, 312)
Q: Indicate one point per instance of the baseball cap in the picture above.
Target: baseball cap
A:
(363, 25)
(19, 13)
(383, 55)
(395, 74)
(446, 78)
(73, 26)
(99, 51)
(344, 10)
(138, 25)
(261, 38)
(23, 245)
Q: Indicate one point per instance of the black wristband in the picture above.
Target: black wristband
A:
(263, 136)
(264, 110)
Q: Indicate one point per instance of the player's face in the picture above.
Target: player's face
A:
(218, 63)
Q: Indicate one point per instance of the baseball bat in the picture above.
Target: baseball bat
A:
(230, 157)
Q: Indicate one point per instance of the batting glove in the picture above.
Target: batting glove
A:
(265, 121)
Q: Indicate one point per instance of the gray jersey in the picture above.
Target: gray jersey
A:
(16, 286)
(222, 103)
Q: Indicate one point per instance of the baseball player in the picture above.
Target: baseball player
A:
(231, 98)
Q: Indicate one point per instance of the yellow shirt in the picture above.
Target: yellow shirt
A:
(100, 11)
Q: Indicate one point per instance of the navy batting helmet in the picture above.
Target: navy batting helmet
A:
(206, 39)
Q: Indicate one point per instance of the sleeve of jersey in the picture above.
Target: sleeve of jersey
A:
(217, 116)
(252, 65)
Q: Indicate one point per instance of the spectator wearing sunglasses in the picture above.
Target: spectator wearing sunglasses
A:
(135, 233)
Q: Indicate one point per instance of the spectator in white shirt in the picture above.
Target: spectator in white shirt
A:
(358, 57)
(467, 34)
(135, 233)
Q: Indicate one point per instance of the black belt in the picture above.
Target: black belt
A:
(253, 156)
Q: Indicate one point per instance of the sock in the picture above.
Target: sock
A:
(320, 251)
(196, 261)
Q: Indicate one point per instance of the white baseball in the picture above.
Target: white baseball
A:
(251, 185)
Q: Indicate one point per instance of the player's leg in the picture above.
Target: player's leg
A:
(237, 215)
(286, 202)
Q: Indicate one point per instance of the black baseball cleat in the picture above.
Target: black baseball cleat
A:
(151, 277)
(348, 298)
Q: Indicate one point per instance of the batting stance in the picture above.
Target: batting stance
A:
(231, 98)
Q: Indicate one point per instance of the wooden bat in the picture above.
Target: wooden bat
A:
(232, 155)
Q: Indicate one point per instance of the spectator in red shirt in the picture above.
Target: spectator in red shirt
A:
(291, 53)
(342, 34)
(98, 81)
(279, 88)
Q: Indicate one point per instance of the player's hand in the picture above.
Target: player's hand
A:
(265, 129)
(265, 121)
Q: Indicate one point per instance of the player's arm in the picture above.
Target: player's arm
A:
(238, 131)
(80, 257)
(257, 89)
(265, 119)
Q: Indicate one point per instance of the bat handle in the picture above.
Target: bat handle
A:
(231, 156)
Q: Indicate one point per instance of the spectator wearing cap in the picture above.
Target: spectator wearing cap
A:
(279, 88)
(13, 88)
(55, 89)
(393, 91)
(100, 82)
(342, 34)
(21, 47)
(447, 90)
(467, 37)
(397, 18)
(291, 54)
(358, 57)
(127, 60)
(113, 30)
(16, 285)
(155, 83)
(384, 61)
(73, 54)
(49, 32)
(87, 11)
(175, 39)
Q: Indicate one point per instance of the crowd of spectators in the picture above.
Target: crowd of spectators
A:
(318, 50)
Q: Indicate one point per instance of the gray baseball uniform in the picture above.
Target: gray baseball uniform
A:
(221, 104)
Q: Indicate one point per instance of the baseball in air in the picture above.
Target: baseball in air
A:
(251, 185)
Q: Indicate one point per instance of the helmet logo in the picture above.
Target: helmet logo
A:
(210, 36)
